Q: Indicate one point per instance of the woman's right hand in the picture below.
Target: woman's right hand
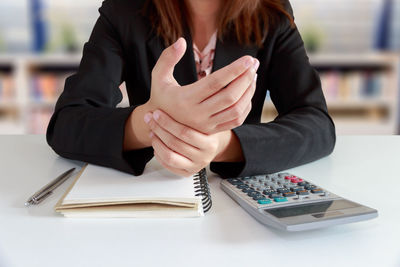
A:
(218, 102)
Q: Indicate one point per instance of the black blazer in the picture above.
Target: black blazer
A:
(87, 126)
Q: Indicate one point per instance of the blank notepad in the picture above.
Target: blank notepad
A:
(105, 192)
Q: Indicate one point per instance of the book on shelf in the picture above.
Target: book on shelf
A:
(7, 91)
(47, 86)
(38, 119)
(355, 85)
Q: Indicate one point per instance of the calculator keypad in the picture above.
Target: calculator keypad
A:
(276, 189)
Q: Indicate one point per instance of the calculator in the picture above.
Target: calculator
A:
(291, 203)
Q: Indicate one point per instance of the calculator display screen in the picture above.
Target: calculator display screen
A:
(312, 208)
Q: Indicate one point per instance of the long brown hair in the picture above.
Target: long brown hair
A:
(249, 19)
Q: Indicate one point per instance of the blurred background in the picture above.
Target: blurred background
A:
(354, 45)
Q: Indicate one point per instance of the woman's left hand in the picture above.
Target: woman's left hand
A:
(181, 149)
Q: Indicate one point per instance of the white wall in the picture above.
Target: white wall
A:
(345, 25)
(14, 25)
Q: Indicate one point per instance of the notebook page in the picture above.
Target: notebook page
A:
(98, 184)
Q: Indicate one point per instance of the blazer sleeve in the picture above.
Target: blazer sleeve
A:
(303, 130)
(86, 124)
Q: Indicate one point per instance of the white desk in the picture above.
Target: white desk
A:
(364, 169)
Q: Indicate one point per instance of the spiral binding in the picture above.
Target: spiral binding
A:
(201, 188)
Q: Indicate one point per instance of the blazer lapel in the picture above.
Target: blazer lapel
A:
(185, 70)
(155, 46)
(229, 50)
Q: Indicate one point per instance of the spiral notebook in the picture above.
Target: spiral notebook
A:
(101, 192)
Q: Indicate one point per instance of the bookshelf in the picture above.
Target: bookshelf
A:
(31, 84)
(361, 90)
(37, 81)
(34, 85)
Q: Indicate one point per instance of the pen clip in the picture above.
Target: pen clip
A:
(39, 200)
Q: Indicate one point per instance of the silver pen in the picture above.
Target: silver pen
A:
(47, 190)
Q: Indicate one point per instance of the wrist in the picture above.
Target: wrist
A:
(229, 148)
(136, 130)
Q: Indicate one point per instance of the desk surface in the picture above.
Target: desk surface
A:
(363, 169)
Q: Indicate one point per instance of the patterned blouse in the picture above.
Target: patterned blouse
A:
(204, 59)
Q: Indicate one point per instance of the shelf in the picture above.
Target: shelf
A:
(357, 126)
(9, 104)
(350, 104)
(42, 103)
(45, 59)
(348, 127)
(370, 59)
(6, 60)
(361, 103)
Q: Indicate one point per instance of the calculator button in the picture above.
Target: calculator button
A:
(268, 192)
(276, 186)
(310, 187)
(289, 194)
(280, 199)
(242, 186)
(254, 184)
(246, 190)
(302, 183)
(303, 192)
(260, 177)
(235, 181)
(259, 197)
(283, 190)
(264, 201)
(296, 188)
(275, 195)
(317, 191)
(253, 193)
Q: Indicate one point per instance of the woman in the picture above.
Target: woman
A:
(194, 100)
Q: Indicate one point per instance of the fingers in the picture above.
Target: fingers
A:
(171, 160)
(168, 156)
(174, 143)
(165, 65)
(232, 93)
(182, 132)
(237, 110)
(217, 80)
(172, 169)
(235, 122)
